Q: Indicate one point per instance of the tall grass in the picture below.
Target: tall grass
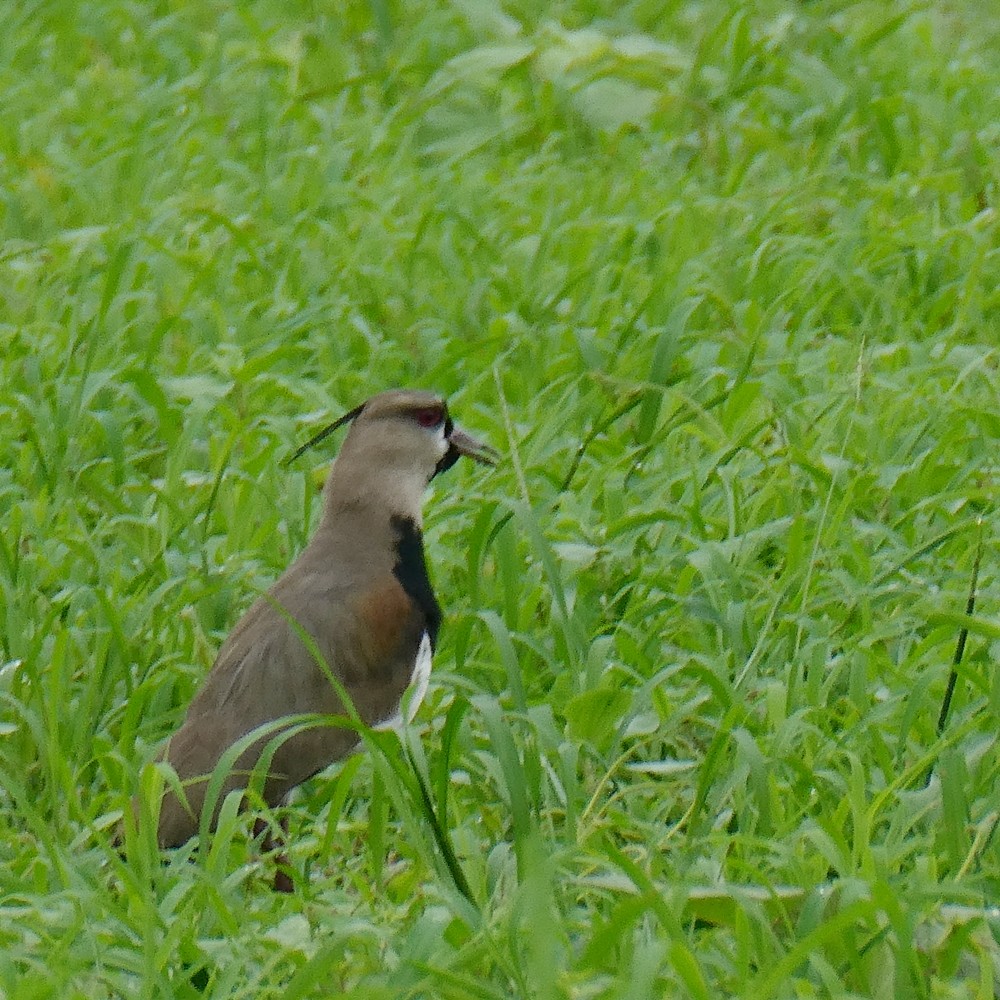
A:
(721, 282)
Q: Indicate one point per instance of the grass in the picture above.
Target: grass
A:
(721, 282)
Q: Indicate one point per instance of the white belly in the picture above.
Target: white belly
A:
(415, 691)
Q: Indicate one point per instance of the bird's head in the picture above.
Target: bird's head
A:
(403, 436)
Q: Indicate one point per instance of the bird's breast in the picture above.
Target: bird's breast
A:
(415, 690)
(410, 570)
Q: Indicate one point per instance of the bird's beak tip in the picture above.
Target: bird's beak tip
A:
(478, 451)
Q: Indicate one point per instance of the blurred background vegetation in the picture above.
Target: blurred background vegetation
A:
(719, 279)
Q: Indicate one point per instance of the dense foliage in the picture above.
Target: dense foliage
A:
(722, 283)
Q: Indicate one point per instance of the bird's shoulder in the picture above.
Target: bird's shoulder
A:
(363, 622)
(387, 619)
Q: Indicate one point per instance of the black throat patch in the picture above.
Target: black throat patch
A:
(411, 571)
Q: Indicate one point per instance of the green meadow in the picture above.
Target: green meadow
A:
(721, 281)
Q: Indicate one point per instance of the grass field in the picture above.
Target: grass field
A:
(720, 280)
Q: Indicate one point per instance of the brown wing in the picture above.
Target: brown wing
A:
(369, 638)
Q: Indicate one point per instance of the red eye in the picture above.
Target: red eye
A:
(430, 416)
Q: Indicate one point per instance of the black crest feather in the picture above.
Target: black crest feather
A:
(325, 433)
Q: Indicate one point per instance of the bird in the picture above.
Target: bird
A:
(359, 595)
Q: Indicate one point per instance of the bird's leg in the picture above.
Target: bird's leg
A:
(282, 875)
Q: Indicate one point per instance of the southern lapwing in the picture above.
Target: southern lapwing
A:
(359, 590)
